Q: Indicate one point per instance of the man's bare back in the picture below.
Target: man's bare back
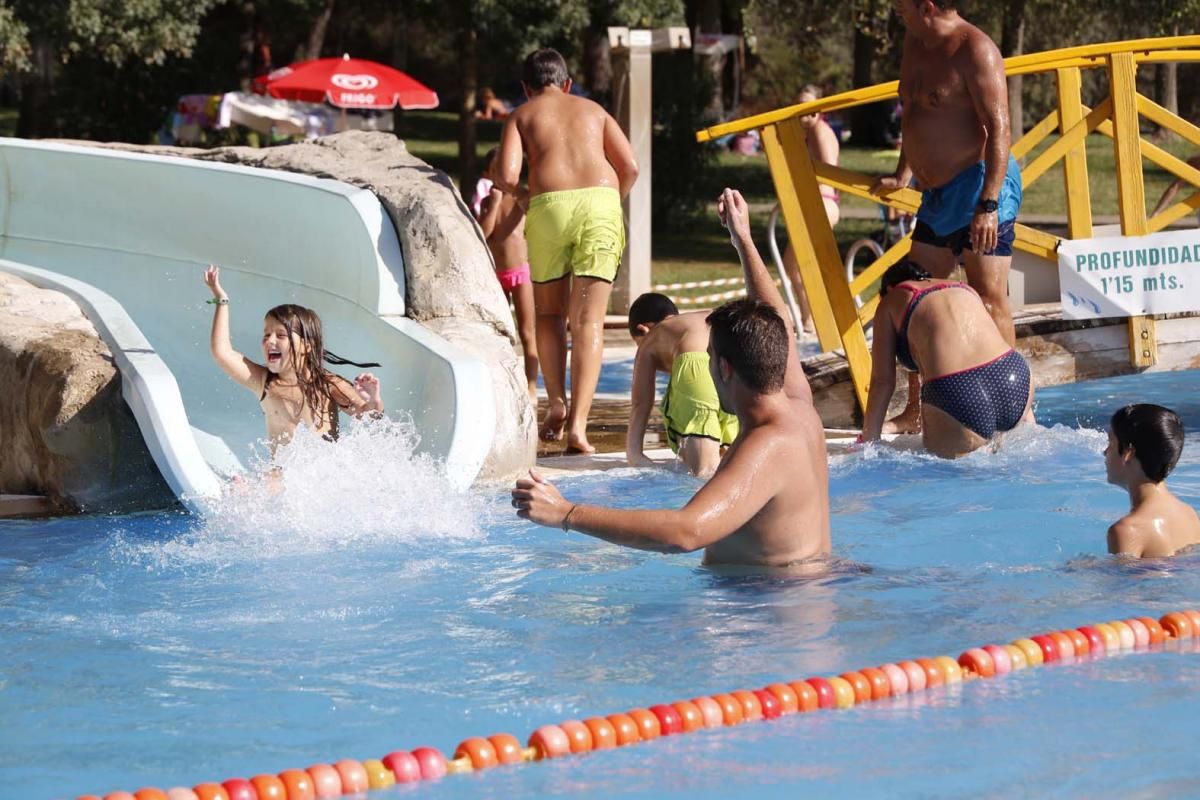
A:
(567, 139)
(943, 131)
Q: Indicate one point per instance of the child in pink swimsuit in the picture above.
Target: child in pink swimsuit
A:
(503, 225)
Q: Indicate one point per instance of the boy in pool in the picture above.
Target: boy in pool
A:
(1144, 444)
(767, 505)
(503, 224)
(677, 344)
(580, 166)
(293, 387)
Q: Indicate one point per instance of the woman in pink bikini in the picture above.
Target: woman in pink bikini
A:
(503, 225)
(975, 385)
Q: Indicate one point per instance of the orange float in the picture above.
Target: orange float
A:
(1141, 634)
(479, 751)
(578, 735)
(950, 669)
(1001, 659)
(150, 793)
(731, 709)
(296, 783)
(1193, 615)
(806, 696)
(752, 710)
(1112, 639)
(1016, 656)
(508, 749)
(934, 676)
(881, 687)
(1156, 631)
(1066, 647)
(1080, 642)
(843, 692)
(1128, 640)
(690, 718)
(978, 661)
(1177, 625)
(604, 735)
(269, 787)
(789, 703)
(626, 728)
(648, 725)
(860, 684)
(353, 775)
(710, 709)
(215, 791)
(180, 793)
(119, 796)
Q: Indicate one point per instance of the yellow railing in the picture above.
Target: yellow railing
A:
(839, 320)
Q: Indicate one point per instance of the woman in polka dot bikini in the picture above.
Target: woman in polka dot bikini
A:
(974, 386)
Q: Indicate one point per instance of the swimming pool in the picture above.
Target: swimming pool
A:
(163, 650)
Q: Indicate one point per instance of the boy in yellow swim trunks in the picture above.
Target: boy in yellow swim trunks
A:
(677, 344)
(581, 165)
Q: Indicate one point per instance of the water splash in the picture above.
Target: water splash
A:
(369, 487)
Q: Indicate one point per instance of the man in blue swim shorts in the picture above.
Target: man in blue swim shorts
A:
(956, 143)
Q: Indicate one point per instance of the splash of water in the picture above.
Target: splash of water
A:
(369, 487)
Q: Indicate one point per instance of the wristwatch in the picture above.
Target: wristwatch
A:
(988, 206)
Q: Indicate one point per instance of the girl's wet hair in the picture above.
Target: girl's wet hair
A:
(1155, 434)
(899, 273)
(304, 324)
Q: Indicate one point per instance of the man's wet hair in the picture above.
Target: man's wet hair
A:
(1155, 434)
(650, 309)
(545, 67)
(944, 5)
(753, 338)
(900, 272)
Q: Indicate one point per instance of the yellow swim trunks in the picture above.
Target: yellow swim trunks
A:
(581, 232)
(690, 405)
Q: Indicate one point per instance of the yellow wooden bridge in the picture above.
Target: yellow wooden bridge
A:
(840, 320)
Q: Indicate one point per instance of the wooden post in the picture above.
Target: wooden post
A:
(1075, 170)
(817, 256)
(631, 77)
(1131, 190)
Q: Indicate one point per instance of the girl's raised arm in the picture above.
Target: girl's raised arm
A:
(236, 365)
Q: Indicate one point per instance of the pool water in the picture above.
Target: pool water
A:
(368, 608)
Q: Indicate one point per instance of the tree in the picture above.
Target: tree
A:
(38, 36)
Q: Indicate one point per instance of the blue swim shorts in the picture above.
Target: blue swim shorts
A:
(944, 219)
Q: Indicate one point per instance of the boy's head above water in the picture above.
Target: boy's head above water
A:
(647, 311)
(1144, 444)
(291, 338)
(544, 68)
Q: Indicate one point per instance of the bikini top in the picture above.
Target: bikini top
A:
(903, 353)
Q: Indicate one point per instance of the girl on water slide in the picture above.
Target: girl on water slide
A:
(293, 386)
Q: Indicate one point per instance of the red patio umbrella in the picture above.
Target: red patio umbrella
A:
(346, 83)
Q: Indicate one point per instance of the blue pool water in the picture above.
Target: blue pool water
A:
(165, 650)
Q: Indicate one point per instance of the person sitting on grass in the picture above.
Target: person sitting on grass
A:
(676, 344)
(1144, 445)
(767, 505)
(293, 387)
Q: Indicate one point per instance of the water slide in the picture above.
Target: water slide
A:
(127, 235)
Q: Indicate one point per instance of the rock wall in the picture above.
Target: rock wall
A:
(65, 431)
(450, 281)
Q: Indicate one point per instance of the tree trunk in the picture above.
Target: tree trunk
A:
(400, 35)
(597, 63)
(1012, 43)
(864, 120)
(37, 87)
(316, 34)
(468, 86)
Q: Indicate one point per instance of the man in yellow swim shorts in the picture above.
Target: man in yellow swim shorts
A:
(697, 426)
(580, 167)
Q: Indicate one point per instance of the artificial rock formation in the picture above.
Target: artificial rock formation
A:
(65, 430)
(449, 273)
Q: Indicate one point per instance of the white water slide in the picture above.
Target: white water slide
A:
(128, 235)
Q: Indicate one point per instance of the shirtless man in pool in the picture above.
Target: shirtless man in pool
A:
(768, 503)
(956, 144)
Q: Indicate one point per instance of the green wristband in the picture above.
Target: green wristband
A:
(218, 301)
